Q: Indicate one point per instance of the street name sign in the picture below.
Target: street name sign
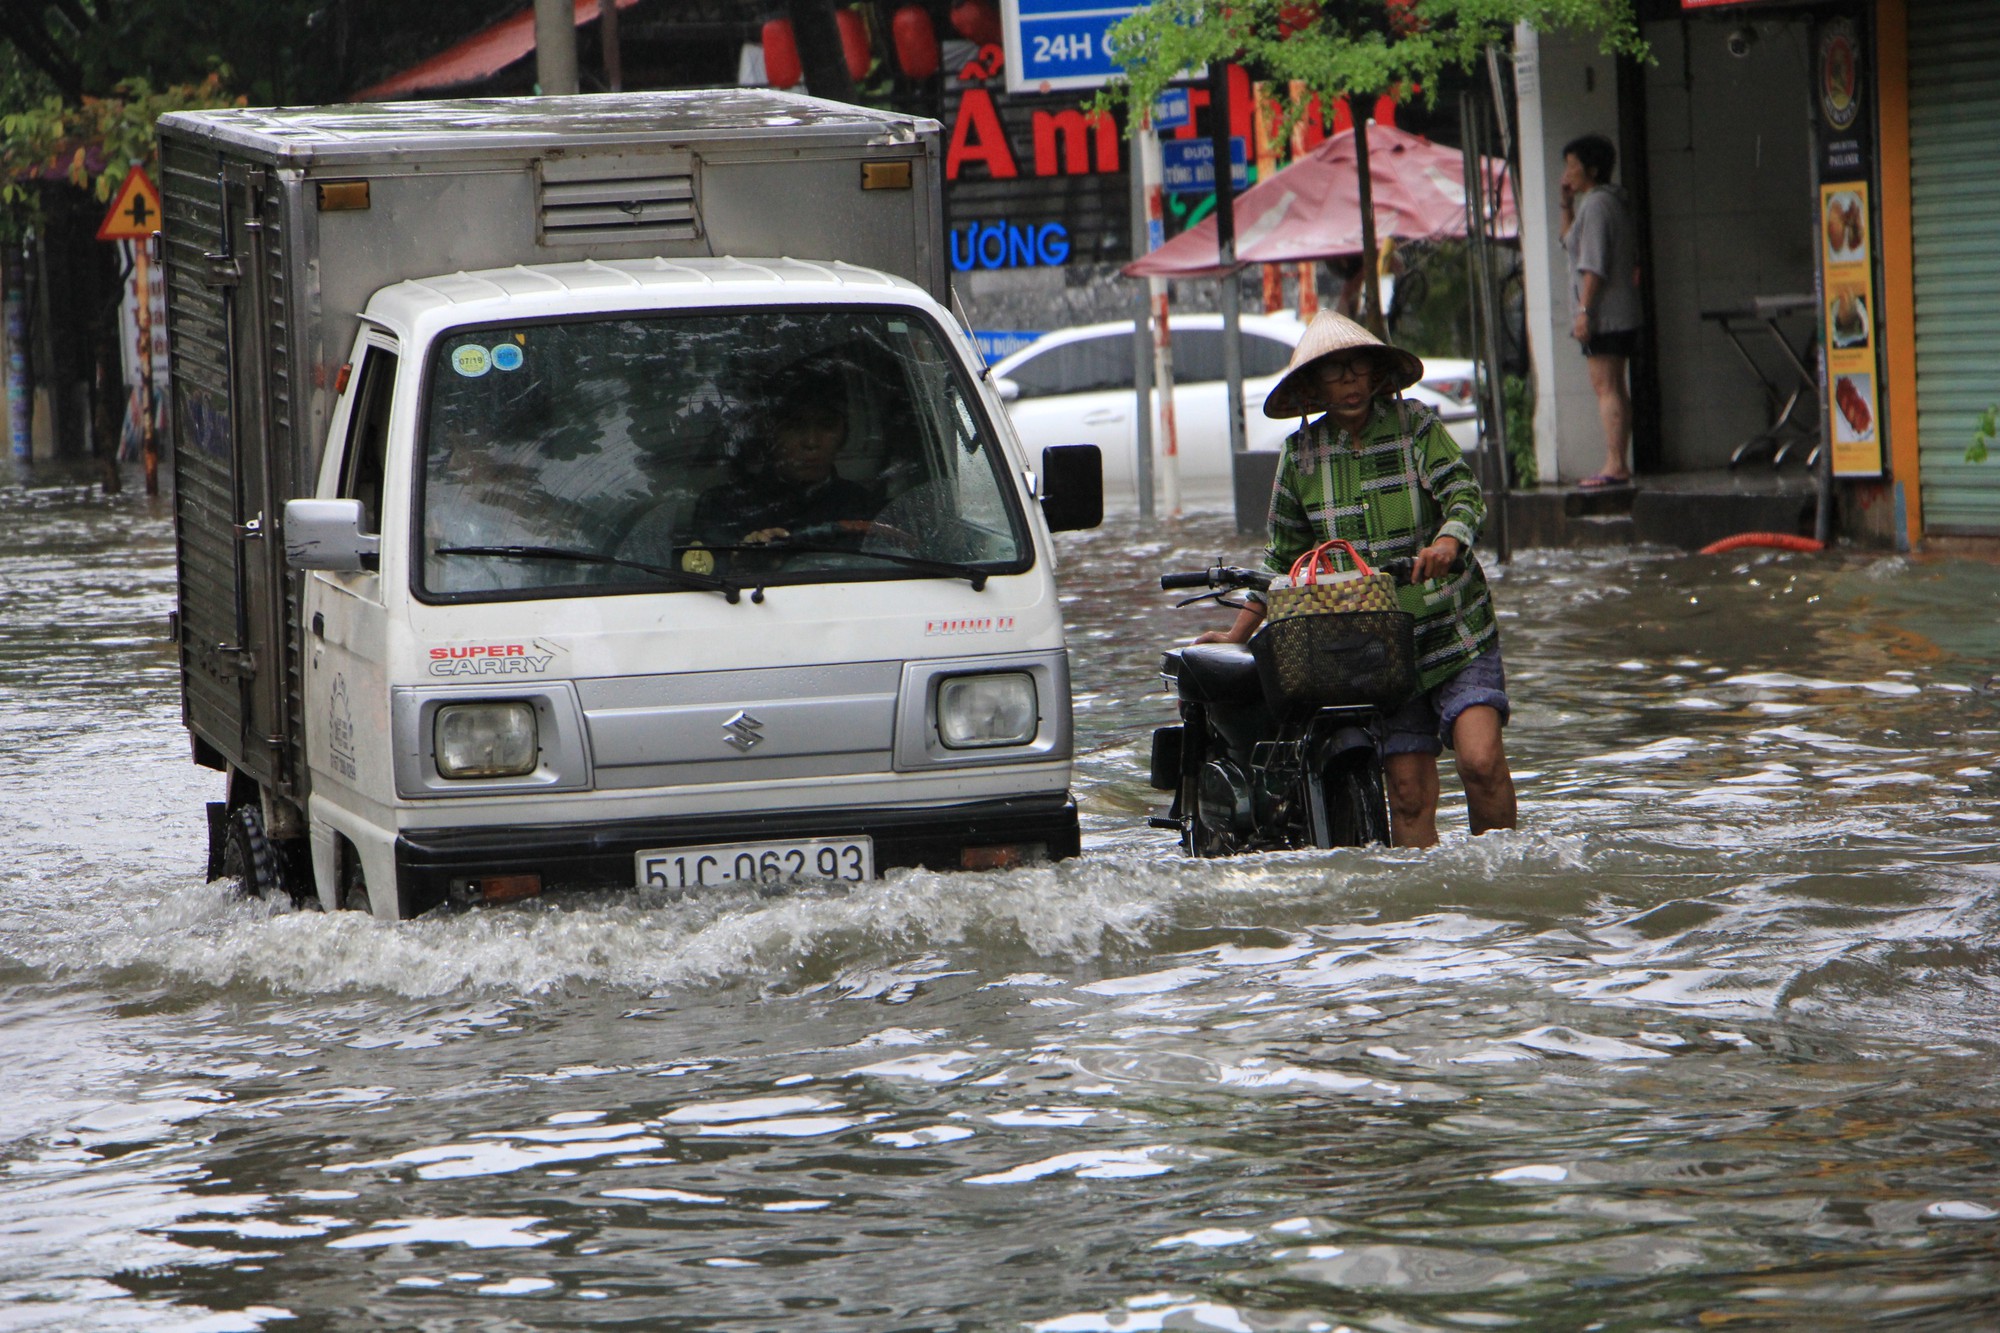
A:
(1187, 166)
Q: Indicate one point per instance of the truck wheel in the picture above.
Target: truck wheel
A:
(248, 858)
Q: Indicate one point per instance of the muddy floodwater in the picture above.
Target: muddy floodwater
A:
(1714, 1040)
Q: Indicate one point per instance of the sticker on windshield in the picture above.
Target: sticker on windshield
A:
(471, 362)
(507, 356)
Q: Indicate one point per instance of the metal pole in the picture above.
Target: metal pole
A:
(555, 48)
(1823, 497)
(1267, 167)
(612, 48)
(1225, 253)
(1163, 346)
(1308, 270)
(821, 52)
(142, 281)
(1364, 177)
(1493, 436)
(1142, 332)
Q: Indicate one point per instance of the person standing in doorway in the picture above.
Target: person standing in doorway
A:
(1603, 266)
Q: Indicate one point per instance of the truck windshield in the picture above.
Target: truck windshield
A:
(764, 446)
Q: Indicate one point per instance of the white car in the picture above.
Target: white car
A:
(1074, 386)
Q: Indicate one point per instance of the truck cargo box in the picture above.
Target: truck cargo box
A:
(279, 224)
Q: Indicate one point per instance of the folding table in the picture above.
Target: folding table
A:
(1788, 384)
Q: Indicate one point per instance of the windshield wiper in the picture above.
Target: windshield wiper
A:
(685, 577)
(972, 574)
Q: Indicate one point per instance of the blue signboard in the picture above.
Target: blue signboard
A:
(1188, 165)
(1171, 109)
(1059, 44)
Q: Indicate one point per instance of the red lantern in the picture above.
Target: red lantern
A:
(781, 55)
(976, 21)
(915, 41)
(854, 43)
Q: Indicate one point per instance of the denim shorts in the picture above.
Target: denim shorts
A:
(1423, 725)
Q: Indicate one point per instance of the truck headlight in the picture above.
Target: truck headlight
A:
(975, 712)
(487, 740)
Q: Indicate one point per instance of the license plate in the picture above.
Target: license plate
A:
(757, 863)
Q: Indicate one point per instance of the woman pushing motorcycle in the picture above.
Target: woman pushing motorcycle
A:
(1381, 473)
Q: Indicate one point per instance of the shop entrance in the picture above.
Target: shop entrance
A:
(1728, 211)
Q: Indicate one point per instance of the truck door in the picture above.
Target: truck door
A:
(346, 689)
(230, 306)
(259, 326)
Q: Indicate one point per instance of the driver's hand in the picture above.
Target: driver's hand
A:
(1434, 561)
(763, 535)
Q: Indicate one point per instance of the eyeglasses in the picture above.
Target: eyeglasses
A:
(1359, 368)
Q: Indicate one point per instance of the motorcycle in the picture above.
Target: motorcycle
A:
(1275, 748)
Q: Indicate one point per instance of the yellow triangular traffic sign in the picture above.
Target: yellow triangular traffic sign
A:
(135, 213)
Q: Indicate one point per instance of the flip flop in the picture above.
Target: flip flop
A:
(1603, 481)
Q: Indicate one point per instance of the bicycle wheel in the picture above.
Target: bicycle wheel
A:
(1357, 813)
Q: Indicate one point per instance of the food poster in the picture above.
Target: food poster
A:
(1844, 165)
(1847, 327)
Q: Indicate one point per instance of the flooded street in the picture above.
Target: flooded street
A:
(1711, 1041)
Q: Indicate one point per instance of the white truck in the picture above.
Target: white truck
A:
(598, 491)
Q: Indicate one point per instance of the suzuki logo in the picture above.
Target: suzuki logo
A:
(746, 733)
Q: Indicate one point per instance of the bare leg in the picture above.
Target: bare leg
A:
(1413, 798)
(1614, 409)
(1482, 767)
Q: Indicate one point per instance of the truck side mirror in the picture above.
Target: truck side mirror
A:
(1072, 487)
(326, 534)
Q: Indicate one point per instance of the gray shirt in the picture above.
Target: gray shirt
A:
(1601, 241)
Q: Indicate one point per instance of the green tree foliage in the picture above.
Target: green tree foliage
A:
(82, 81)
(92, 143)
(1342, 47)
(279, 51)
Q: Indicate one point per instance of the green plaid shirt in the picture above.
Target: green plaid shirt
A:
(1392, 491)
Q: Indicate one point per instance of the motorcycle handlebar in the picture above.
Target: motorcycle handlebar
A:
(1217, 576)
(1227, 576)
(1176, 582)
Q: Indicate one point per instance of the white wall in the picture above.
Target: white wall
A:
(1567, 88)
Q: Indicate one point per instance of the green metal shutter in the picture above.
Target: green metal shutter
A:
(1955, 195)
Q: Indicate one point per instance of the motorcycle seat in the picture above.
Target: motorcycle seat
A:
(1215, 673)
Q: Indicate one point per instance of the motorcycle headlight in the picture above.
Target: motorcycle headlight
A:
(976, 712)
(485, 740)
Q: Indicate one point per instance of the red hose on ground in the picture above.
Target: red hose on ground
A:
(1783, 541)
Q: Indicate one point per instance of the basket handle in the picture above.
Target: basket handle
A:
(1305, 569)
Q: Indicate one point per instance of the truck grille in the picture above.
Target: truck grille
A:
(732, 726)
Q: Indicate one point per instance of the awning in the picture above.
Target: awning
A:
(478, 57)
(1312, 210)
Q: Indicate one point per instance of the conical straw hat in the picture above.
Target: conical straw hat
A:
(1296, 395)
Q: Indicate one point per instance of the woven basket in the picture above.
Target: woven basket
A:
(1317, 588)
(1339, 660)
